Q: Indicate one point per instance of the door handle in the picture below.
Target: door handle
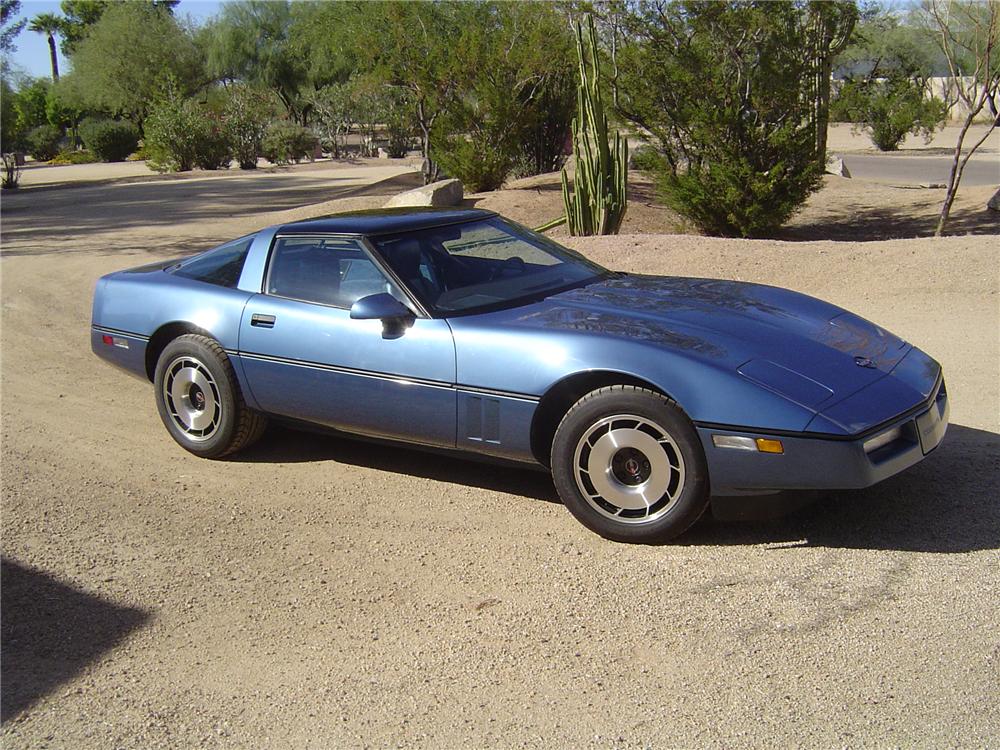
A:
(262, 321)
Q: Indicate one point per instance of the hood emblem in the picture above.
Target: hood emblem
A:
(864, 362)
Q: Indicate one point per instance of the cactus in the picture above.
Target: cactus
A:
(597, 201)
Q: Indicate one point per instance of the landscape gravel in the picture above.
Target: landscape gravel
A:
(317, 592)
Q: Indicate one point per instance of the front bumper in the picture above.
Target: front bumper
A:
(826, 462)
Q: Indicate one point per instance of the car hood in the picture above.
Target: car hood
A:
(807, 350)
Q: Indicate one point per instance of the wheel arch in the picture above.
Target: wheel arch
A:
(558, 399)
(163, 336)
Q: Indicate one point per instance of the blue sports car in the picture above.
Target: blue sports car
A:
(461, 330)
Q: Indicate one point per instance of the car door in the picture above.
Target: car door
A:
(305, 358)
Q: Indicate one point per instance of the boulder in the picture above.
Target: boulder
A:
(835, 165)
(441, 193)
(994, 203)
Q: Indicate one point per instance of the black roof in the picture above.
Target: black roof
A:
(385, 220)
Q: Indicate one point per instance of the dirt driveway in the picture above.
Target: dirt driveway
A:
(319, 593)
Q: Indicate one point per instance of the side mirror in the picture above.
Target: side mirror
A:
(395, 316)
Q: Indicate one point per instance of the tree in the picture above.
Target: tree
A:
(514, 95)
(9, 29)
(334, 112)
(251, 41)
(968, 35)
(49, 24)
(60, 109)
(79, 16)
(126, 60)
(726, 92)
(415, 47)
(29, 105)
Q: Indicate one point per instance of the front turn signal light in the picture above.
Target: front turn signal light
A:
(765, 445)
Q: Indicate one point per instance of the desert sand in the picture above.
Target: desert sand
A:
(317, 592)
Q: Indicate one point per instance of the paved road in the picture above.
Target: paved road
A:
(914, 170)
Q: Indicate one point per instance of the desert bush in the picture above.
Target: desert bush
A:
(479, 165)
(43, 142)
(70, 156)
(286, 142)
(889, 109)
(183, 134)
(645, 159)
(212, 144)
(246, 113)
(730, 111)
(11, 176)
(171, 135)
(110, 140)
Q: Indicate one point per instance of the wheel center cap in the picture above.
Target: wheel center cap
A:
(630, 466)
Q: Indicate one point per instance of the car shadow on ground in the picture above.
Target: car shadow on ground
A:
(950, 502)
(284, 445)
(51, 632)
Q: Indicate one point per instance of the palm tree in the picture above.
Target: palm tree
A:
(49, 24)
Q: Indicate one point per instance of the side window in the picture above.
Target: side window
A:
(221, 266)
(329, 271)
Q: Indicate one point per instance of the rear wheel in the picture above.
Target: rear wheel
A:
(628, 464)
(199, 398)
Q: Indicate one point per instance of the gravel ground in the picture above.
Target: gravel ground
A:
(317, 592)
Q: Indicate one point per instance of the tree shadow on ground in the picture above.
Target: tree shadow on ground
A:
(61, 221)
(51, 632)
(950, 502)
(881, 223)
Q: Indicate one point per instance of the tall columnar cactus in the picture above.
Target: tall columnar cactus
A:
(596, 203)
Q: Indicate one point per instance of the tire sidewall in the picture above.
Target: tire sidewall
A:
(693, 499)
(221, 371)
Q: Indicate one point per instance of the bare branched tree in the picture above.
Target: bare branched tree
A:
(968, 34)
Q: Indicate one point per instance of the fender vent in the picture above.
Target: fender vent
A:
(482, 419)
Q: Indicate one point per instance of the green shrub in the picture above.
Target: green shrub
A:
(10, 177)
(212, 149)
(645, 159)
(286, 142)
(183, 134)
(171, 135)
(246, 116)
(480, 166)
(730, 109)
(110, 140)
(43, 142)
(70, 156)
(890, 109)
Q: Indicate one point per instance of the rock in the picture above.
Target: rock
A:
(932, 185)
(383, 154)
(441, 193)
(835, 165)
(994, 203)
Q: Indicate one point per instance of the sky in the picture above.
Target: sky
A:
(32, 55)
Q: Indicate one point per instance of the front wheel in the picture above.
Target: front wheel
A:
(628, 464)
(199, 398)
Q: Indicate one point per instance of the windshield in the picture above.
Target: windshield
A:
(483, 265)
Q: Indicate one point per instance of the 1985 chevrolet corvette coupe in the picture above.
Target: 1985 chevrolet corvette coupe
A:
(458, 329)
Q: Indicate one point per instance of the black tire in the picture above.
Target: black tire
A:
(193, 371)
(647, 483)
